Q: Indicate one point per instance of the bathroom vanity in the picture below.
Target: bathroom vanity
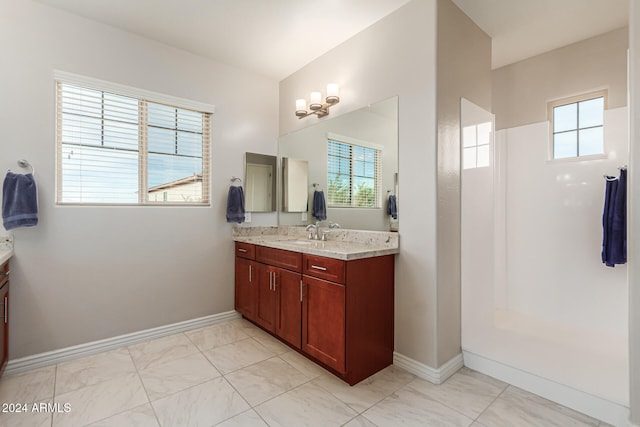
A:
(4, 309)
(331, 301)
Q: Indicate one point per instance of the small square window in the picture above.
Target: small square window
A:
(577, 125)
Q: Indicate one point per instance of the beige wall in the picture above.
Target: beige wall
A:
(464, 70)
(395, 56)
(87, 273)
(521, 90)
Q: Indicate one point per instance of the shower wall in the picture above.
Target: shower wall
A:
(554, 231)
(536, 299)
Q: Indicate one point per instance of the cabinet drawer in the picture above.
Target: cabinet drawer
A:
(245, 250)
(330, 269)
(279, 258)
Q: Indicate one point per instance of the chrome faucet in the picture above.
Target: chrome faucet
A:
(312, 229)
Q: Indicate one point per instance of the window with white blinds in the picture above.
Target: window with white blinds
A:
(117, 149)
(353, 174)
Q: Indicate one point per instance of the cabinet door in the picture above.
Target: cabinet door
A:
(323, 322)
(4, 326)
(246, 287)
(288, 306)
(266, 305)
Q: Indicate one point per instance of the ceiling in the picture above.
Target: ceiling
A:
(524, 28)
(277, 37)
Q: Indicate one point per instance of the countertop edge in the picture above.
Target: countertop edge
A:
(5, 255)
(281, 244)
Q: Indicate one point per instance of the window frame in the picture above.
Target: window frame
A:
(551, 105)
(143, 96)
(351, 142)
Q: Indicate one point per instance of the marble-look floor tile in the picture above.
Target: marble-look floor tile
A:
(161, 350)
(216, 335)
(516, 407)
(177, 375)
(28, 387)
(414, 408)
(368, 392)
(360, 421)
(265, 380)
(237, 355)
(308, 405)
(270, 342)
(91, 370)
(141, 416)
(246, 419)
(203, 405)
(310, 369)
(101, 400)
(466, 391)
(26, 416)
(246, 326)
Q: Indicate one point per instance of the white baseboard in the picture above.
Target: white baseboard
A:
(22, 364)
(436, 376)
(597, 407)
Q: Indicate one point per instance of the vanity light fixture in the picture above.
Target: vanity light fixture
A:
(315, 102)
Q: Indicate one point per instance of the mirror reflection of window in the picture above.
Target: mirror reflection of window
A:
(353, 175)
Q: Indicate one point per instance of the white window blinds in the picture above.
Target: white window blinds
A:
(119, 149)
(353, 174)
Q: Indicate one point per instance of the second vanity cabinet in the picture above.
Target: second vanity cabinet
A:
(4, 315)
(339, 313)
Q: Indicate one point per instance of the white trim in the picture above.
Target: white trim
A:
(435, 376)
(120, 89)
(16, 366)
(595, 406)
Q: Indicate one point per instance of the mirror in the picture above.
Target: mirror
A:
(294, 184)
(375, 126)
(260, 182)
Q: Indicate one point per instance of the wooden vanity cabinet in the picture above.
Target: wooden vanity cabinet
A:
(347, 318)
(323, 322)
(288, 306)
(338, 313)
(269, 295)
(4, 316)
(279, 293)
(246, 280)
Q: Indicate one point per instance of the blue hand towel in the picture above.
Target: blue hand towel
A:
(319, 206)
(392, 208)
(235, 205)
(19, 201)
(614, 222)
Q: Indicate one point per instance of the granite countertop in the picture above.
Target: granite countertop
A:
(5, 254)
(340, 244)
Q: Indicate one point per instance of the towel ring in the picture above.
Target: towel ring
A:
(25, 164)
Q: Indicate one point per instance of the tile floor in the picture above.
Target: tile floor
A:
(234, 374)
